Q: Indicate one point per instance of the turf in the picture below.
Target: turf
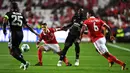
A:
(90, 60)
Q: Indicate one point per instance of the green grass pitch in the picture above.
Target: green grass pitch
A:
(90, 60)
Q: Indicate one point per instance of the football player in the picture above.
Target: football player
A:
(95, 25)
(16, 21)
(74, 36)
(50, 43)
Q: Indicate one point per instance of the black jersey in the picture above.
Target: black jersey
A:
(75, 25)
(16, 20)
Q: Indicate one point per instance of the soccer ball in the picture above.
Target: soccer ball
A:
(25, 48)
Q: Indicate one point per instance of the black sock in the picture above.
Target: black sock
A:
(63, 53)
(77, 50)
(19, 58)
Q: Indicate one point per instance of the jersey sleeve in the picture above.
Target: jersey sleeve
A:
(7, 15)
(24, 20)
(53, 30)
(102, 22)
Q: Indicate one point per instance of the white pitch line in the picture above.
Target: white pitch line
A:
(118, 47)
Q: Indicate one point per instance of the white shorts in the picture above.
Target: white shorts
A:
(100, 45)
(53, 47)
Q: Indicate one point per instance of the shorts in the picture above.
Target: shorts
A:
(53, 47)
(15, 39)
(71, 38)
(100, 45)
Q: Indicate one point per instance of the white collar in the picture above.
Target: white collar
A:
(92, 17)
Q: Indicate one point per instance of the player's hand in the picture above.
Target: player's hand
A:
(37, 35)
(4, 31)
(112, 38)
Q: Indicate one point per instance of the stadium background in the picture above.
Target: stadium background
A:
(57, 13)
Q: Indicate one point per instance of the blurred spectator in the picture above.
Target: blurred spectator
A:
(60, 12)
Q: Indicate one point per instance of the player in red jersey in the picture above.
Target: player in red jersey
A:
(95, 25)
(50, 43)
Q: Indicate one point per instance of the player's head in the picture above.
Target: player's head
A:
(44, 26)
(14, 7)
(89, 14)
(80, 13)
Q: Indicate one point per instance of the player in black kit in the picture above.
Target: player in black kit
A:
(16, 21)
(74, 36)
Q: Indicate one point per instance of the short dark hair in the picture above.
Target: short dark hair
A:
(44, 24)
(14, 6)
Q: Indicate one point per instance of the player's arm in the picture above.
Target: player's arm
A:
(31, 30)
(85, 28)
(38, 42)
(25, 23)
(82, 31)
(109, 30)
(65, 28)
(5, 22)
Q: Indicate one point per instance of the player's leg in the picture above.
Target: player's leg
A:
(102, 49)
(39, 53)
(42, 48)
(65, 60)
(77, 51)
(56, 48)
(109, 60)
(18, 55)
(63, 53)
(24, 64)
(69, 41)
(67, 44)
(15, 51)
(114, 59)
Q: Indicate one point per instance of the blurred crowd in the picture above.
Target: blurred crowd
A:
(57, 13)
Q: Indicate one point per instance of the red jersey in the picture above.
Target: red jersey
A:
(95, 27)
(49, 37)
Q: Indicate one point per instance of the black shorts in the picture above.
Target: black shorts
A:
(15, 39)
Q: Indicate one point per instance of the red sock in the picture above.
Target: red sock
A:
(108, 59)
(115, 59)
(39, 55)
(65, 60)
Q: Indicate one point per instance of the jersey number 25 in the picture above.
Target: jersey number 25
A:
(17, 20)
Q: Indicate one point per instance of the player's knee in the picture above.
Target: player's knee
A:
(106, 54)
(76, 44)
(41, 48)
(68, 44)
(59, 53)
(13, 53)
